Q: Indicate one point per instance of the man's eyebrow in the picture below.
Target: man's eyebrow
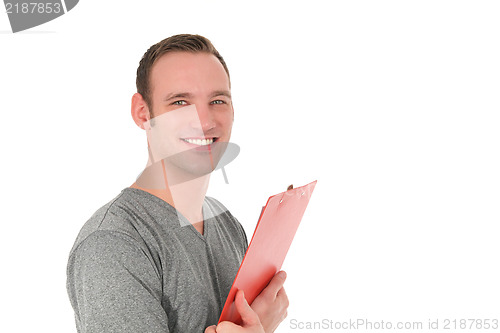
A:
(171, 96)
(177, 95)
(226, 93)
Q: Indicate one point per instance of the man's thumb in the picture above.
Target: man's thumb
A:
(248, 316)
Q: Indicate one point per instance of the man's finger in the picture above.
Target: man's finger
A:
(210, 329)
(227, 326)
(282, 297)
(248, 316)
(276, 284)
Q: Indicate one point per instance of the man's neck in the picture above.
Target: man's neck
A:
(187, 197)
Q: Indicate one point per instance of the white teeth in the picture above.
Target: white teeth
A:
(200, 142)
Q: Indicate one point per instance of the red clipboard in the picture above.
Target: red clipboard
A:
(268, 247)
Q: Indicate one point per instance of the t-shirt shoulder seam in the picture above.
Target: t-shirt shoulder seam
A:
(98, 227)
(123, 236)
(131, 241)
(107, 210)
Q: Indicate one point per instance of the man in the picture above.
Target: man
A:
(161, 256)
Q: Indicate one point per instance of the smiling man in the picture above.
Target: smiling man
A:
(161, 256)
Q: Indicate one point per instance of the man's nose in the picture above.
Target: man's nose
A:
(206, 118)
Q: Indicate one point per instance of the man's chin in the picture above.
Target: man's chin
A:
(188, 168)
(188, 165)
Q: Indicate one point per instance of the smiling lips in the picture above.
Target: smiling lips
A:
(200, 142)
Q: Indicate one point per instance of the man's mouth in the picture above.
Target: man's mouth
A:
(200, 142)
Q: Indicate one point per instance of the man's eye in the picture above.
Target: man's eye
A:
(179, 103)
(218, 102)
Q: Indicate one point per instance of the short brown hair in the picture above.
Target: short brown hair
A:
(182, 42)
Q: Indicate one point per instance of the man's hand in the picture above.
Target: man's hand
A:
(272, 303)
(251, 322)
(268, 310)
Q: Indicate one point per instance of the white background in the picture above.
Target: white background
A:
(393, 106)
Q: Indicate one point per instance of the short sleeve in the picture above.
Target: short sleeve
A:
(114, 286)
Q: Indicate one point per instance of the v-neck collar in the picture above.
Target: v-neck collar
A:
(185, 223)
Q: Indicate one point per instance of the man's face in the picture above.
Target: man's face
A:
(192, 111)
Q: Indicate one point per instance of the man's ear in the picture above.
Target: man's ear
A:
(140, 110)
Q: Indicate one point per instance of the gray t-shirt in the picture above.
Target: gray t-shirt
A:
(135, 267)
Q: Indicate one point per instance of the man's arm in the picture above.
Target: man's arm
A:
(114, 286)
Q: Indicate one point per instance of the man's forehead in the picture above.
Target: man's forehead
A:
(194, 73)
(187, 62)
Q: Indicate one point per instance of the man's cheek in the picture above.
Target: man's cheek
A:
(164, 135)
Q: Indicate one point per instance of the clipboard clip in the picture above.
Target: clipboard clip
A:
(290, 187)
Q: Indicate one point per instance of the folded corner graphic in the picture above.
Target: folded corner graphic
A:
(25, 14)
